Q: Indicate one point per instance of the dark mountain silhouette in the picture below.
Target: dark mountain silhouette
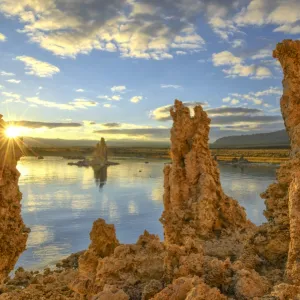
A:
(275, 139)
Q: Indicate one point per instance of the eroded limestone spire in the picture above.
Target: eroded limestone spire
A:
(13, 233)
(194, 202)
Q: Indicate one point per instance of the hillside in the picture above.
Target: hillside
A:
(262, 140)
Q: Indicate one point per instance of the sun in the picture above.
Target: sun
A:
(12, 132)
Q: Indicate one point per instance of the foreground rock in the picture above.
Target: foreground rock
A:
(13, 233)
(210, 251)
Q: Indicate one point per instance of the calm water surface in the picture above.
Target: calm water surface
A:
(60, 202)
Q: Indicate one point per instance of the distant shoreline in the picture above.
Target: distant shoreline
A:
(253, 155)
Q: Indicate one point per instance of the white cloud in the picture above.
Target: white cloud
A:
(83, 103)
(38, 101)
(136, 99)
(181, 53)
(107, 105)
(238, 43)
(2, 87)
(172, 86)
(163, 113)
(11, 95)
(235, 101)
(110, 98)
(262, 73)
(8, 74)
(285, 13)
(2, 37)
(129, 27)
(118, 89)
(38, 68)
(78, 103)
(79, 90)
(225, 58)
(270, 91)
(13, 81)
(237, 67)
(263, 53)
(227, 99)
(115, 98)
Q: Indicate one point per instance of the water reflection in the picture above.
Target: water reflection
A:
(60, 202)
(100, 174)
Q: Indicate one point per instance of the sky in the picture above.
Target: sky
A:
(83, 69)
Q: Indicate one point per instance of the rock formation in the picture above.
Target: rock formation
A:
(13, 233)
(194, 201)
(211, 251)
(100, 153)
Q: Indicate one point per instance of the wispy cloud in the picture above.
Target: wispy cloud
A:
(110, 98)
(163, 113)
(136, 99)
(38, 68)
(170, 86)
(9, 74)
(13, 81)
(3, 38)
(79, 90)
(118, 89)
(38, 124)
(238, 68)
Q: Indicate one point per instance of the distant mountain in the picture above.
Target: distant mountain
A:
(265, 140)
(60, 143)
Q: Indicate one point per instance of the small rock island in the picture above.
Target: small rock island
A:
(99, 158)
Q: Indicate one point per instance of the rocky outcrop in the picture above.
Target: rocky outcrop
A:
(194, 201)
(13, 233)
(100, 154)
(211, 251)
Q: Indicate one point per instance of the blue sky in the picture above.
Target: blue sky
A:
(113, 67)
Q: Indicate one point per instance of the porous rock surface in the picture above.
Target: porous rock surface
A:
(13, 233)
(210, 251)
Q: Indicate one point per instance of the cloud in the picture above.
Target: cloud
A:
(254, 97)
(2, 37)
(38, 68)
(3, 73)
(262, 53)
(11, 95)
(235, 101)
(181, 52)
(50, 125)
(118, 89)
(107, 105)
(38, 101)
(283, 13)
(237, 67)
(138, 132)
(145, 29)
(13, 81)
(79, 103)
(238, 43)
(110, 98)
(225, 58)
(163, 113)
(83, 103)
(79, 90)
(170, 86)
(230, 111)
(111, 125)
(136, 99)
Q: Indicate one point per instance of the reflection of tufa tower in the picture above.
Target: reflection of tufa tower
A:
(100, 154)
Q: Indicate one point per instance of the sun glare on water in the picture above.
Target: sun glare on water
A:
(12, 132)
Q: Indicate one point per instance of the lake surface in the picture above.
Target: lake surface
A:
(60, 202)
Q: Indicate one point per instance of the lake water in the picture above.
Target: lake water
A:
(60, 202)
